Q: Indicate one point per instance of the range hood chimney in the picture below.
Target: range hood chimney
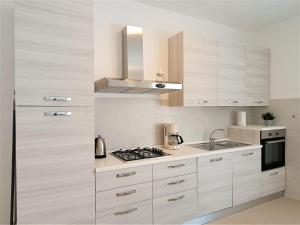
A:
(132, 81)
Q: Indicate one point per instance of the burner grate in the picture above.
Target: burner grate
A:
(139, 153)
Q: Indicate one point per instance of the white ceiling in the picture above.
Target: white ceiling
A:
(243, 14)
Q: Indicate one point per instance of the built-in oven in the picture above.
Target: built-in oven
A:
(273, 150)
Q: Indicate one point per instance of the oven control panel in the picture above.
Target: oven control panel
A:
(267, 134)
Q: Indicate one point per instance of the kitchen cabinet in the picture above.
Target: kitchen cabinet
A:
(193, 62)
(55, 165)
(258, 76)
(273, 181)
(231, 74)
(54, 53)
(246, 176)
(54, 140)
(214, 183)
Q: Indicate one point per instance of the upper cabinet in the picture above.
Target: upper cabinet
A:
(258, 76)
(231, 74)
(217, 73)
(54, 53)
(193, 62)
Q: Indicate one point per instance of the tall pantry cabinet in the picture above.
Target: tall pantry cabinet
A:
(54, 89)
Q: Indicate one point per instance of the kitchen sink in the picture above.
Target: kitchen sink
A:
(218, 145)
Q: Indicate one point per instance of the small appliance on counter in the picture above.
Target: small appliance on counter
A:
(241, 118)
(172, 139)
(100, 148)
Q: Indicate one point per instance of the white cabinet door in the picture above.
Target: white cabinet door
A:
(214, 183)
(200, 70)
(54, 53)
(246, 176)
(273, 181)
(55, 165)
(258, 76)
(176, 208)
(231, 74)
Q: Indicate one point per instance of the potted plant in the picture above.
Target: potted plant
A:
(268, 117)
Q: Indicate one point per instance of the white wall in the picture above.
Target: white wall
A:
(283, 40)
(6, 101)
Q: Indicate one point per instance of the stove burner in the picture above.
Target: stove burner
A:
(139, 153)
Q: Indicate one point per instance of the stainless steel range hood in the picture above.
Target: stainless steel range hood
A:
(132, 81)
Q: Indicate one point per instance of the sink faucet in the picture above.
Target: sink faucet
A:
(212, 140)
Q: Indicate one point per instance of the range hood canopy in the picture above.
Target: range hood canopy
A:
(132, 81)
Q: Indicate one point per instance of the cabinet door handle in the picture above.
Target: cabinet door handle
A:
(216, 159)
(247, 154)
(58, 113)
(258, 102)
(275, 173)
(57, 99)
(235, 102)
(176, 199)
(125, 193)
(176, 182)
(176, 166)
(201, 101)
(125, 174)
(125, 212)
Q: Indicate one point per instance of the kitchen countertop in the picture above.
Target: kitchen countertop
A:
(259, 127)
(185, 152)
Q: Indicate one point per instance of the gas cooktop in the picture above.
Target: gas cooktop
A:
(139, 153)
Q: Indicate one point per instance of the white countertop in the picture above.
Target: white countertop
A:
(259, 127)
(185, 152)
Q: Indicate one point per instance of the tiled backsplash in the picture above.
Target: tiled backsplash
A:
(287, 112)
(128, 123)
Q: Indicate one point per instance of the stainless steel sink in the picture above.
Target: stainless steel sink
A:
(218, 145)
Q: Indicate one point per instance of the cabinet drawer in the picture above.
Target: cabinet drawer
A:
(175, 208)
(124, 177)
(174, 184)
(137, 213)
(214, 183)
(273, 181)
(174, 168)
(123, 196)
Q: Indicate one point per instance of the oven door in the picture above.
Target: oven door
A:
(273, 153)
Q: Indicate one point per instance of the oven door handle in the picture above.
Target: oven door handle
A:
(277, 141)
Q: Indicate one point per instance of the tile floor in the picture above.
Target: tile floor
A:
(279, 211)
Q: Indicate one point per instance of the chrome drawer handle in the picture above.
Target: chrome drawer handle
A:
(125, 193)
(176, 182)
(57, 99)
(201, 101)
(216, 159)
(58, 113)
(176, 199)
(258, 102)
(125, 212)
(275, 173)
(125, 174)
(176, 166)
(247, 154)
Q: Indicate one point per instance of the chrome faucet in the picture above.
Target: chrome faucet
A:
(212, 140)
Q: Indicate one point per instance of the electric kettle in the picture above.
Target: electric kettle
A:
(100, 147)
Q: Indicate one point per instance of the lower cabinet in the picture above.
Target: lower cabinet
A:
(214, 183)
(246, 176)
(273, 181)
(176, 208)
(137, 213)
